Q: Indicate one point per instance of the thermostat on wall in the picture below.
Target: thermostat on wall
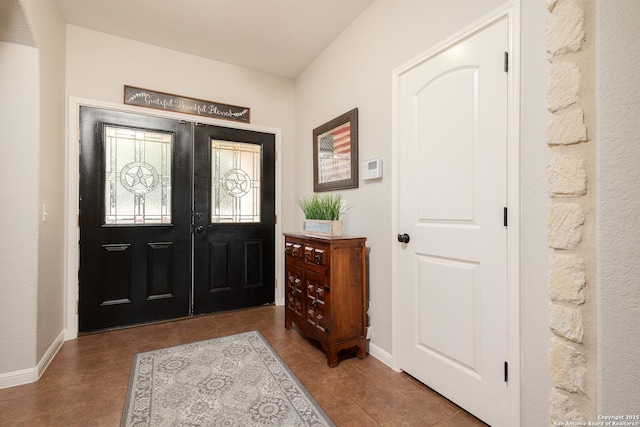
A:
(371, 169)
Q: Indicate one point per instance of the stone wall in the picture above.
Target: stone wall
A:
(571, 217)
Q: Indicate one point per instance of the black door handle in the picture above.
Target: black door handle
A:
(403, 238)
(199, 229)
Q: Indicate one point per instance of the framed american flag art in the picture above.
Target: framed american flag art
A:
(335, 153)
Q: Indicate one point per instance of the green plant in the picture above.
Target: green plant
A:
(327, 207)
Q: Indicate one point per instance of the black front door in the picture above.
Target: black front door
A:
(234, 219)
(142, 196)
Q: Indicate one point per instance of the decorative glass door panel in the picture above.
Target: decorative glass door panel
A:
(235, 182)
(137, 176)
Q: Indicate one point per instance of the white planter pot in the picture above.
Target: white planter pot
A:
(322, 228)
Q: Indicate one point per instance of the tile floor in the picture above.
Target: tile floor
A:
(86, 383)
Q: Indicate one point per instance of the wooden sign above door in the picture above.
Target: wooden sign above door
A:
(180, 104)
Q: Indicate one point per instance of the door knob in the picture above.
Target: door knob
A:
(199, 229)
(403, 238)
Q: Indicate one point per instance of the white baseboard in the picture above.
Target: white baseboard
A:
(12, 379)
(26, 376)
(51, 353)
(381, 355)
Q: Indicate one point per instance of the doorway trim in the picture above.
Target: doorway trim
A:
(72, 230)
(510, 10)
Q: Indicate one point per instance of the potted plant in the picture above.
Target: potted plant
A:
(322, 214)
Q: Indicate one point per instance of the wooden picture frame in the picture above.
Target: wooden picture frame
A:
(335, 153)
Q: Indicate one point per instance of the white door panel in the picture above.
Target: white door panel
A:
(452, 275)
(448, 283)
(446, 176)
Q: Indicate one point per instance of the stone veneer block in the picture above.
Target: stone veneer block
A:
(565, 225)
(565, 86)
(567, 127)
(567, 278)
(567, 176)
(566, 322)
(567, 365)
(551, 4)
(565, 27)
(563, 408)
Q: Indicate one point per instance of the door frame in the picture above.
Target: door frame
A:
(511, 11)
(72, 227)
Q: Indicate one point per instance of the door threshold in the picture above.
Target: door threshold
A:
(176, 319)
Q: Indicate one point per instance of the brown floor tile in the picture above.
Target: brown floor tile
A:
(86, 383)
(106, 398)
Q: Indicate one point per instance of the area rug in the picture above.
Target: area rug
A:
(238, 380)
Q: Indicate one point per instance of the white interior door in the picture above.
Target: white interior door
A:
(452, 191)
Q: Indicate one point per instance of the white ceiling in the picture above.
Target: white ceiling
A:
(276, 36)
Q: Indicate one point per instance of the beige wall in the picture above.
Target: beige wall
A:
(32, 251)
(618, 207)
(19, 211)
(99, 65)
(48, 28)
(534, 200)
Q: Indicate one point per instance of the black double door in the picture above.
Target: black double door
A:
(176, 219)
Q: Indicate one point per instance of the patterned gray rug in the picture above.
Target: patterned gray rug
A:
(237, 380)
